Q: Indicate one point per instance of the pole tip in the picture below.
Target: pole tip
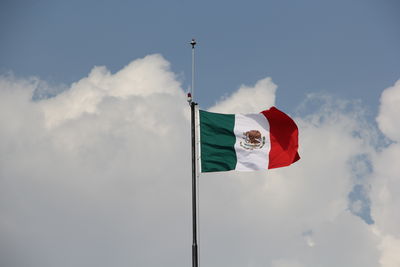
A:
(193, 42)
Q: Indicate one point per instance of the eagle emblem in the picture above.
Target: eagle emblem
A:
(252, 140)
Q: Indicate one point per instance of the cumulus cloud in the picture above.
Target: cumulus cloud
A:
(385, 193)
(249, 99)
(86, 176)
(100, 175)
(388, 112)
(142, 78)
(390, 248)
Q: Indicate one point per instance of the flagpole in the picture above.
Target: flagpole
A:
(193, 104)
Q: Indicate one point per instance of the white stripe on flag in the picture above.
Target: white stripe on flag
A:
(248, 158)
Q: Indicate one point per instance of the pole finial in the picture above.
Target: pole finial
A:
(193, 43)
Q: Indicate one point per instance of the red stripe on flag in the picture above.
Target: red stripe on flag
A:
(284, 138)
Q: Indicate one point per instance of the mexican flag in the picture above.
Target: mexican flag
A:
(247, 142)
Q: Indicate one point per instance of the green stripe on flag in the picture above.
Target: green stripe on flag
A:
(217, 142)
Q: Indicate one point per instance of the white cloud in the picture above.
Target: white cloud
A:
(249, 99)
(385, 193)
(390, 248)
(142, 78)
(84, 178)
(286, 263)
(388, 113)
(100, 175)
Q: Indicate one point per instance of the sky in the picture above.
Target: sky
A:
(95, 136)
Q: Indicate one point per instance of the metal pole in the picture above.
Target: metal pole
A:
(195, 259)
(194, 189)
(193, 43)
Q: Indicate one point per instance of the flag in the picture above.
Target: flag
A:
(247, 142)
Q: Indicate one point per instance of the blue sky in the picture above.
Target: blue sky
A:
(99, 175)
(345, 48)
